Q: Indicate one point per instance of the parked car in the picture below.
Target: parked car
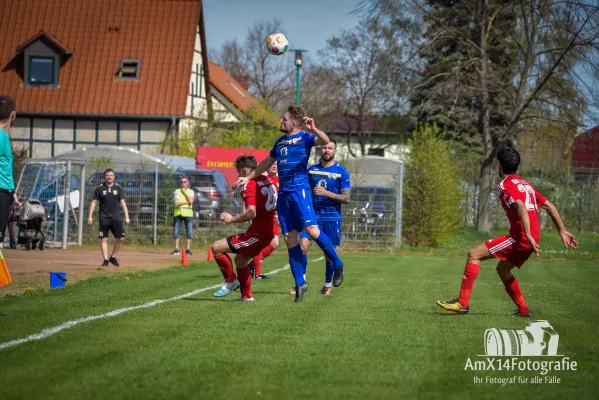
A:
(371, 209)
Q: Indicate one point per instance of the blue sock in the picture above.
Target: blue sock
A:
(325, 244)
(330, 270)
(305, 262)
(295, 262)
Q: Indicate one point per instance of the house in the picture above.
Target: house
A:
(383, 136)
(585, 156)
(108, 72)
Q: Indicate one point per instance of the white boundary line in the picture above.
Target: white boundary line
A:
(46, 333)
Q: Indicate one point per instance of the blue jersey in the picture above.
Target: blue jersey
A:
(334, 179)
(292, 153)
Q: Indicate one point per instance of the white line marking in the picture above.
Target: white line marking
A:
(46, 333)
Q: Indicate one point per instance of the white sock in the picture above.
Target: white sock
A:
(304, 276)
(327, 284)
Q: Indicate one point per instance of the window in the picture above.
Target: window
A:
(41, 71)
(129, 69)
(376, 152)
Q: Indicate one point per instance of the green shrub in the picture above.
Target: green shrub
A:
(431, 189)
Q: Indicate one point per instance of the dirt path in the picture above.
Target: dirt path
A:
(31, 269)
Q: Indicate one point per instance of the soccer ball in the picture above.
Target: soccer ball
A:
(277, 44)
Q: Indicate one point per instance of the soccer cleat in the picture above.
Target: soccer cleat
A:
(261, 277)
(113, 261)
(519, 314)
(453, 305)
(226, 288)
(301, 291)
(189, 253)
(4, 315)
(244, 299)
(176, 252)
(338, 276)
(105, 263)
(326, 290)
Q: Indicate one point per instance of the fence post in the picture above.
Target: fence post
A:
(55, 207)
(399, 206)
(155, 204)
(81, 207)
(67, 198)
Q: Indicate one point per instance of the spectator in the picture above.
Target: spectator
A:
(183, 213)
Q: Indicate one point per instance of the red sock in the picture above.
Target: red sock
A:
(513, 289)
(257, 262)
(470, 274)
(226, 267)
(245, 282)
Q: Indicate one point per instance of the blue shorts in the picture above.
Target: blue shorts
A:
(295, 210)
(331, 228)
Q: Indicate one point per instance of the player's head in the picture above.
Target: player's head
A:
(8, 111)
(184, 181)
(273, 170)
(292, 119)
(245, 164)
(509, 160)
(109, 175)
(329, 150)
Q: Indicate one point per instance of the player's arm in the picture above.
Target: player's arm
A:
(16, 199)
(342, 197)
(321, 137)
(523, 215)
(567, 238)
(247, 215)
(125, 210)
(260, 169)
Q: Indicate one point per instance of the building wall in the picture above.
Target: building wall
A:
(48, 137)
(196, 96)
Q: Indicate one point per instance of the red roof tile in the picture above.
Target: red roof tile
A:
(160, 33)
(585, 150)
(229, 87)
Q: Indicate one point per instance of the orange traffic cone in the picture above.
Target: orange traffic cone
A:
(184, 260)
(5, 278)
(210, 255)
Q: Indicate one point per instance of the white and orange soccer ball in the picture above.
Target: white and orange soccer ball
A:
(277, 44)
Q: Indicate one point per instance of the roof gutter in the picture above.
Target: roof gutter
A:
(99, 116)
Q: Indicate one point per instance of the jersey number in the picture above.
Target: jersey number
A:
(531, 202)
(271, 203)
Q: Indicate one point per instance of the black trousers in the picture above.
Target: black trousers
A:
(5, 204)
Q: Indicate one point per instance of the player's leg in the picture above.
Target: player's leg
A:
(188, 234)
(304, 244)
(220, 248)
(256, 264)
(324, 242)
(245, 277)
(176, 234)
(333, 230)
(504, 270)
(462, 303)
(104, 249)
(119, 237)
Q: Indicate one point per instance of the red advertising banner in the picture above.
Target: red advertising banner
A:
(223, 159)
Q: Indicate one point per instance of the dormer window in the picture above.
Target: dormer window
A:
(129, 70)
(41, 58)
(41, 70)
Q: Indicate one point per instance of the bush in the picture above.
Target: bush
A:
(431, 189)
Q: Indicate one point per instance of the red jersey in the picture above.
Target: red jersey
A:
(275, 181)
(513, 188)
(262, 194)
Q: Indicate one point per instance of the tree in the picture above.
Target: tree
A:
(505, 63)
(269, 77)
(358, 63)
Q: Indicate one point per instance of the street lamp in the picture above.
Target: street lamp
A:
(298, 65)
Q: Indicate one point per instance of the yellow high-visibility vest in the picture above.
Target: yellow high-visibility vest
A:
(185, 210)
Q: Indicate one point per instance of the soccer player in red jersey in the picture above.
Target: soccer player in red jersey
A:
(521, 202)
(260, 198)
(255, 265)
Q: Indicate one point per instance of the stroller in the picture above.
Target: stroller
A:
(29, 223)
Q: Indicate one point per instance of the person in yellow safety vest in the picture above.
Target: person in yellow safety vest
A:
(183, 213)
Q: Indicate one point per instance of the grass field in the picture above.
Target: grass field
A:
(378, 336)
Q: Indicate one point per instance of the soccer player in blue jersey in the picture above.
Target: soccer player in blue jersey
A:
(331, 187)
(294, 204)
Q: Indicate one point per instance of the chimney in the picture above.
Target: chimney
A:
(243, 80)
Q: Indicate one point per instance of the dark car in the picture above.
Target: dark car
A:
(371, 209)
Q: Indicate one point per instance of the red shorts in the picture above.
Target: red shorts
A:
(509, 249)
(249, 244)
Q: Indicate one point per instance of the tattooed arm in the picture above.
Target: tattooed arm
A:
(342, 197)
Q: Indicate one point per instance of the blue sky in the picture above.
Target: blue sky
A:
(307, 24)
